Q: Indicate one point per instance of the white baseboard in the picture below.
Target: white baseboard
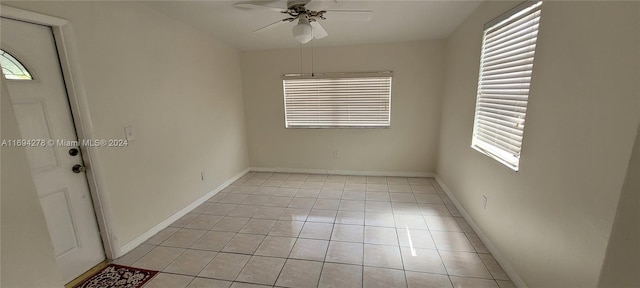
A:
(164, 224)
(342, 172)
(515, 278)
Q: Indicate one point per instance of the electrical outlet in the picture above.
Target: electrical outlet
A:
(484, 202)
(203, 175)
(336, 154)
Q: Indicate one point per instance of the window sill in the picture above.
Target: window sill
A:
(495, 157)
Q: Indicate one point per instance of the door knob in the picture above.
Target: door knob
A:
(78, 168)
(73, 151)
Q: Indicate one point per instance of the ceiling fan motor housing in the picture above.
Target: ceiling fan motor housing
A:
(293, 4)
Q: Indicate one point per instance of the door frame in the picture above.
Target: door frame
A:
(71, 73)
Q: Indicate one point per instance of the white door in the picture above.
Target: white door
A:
(42, 110)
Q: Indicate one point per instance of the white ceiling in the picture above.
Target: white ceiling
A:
(393, 21)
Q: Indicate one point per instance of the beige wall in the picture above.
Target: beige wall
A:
(622, 261)
(179, 88)
(410, 145)
(25, 244)
(551, 220)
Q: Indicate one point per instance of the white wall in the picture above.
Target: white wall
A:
(25, 245)
(622, 261)
(179, 88)
(183, 92)
(551, 220)
(410, 145)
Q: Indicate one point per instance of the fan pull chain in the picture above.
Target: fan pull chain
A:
(312, 75)
(301, 60)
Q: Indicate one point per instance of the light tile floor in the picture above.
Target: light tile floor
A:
(299, 230)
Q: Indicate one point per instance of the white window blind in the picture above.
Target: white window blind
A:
(338, 100)
(508, 48)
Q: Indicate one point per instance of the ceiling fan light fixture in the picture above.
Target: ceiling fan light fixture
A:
(302, 31)
(308, 26)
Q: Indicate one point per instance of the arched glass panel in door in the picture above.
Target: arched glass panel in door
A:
(12, 69)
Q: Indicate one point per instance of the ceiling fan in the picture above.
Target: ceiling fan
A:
(308, 26)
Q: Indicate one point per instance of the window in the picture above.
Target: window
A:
(508, 47)
(345, 100)
(12, 68)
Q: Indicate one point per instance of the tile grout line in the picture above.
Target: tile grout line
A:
(316, 197)
(404, 270)
(326, 251)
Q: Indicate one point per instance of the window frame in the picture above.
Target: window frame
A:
(505, 154)
(341, 77)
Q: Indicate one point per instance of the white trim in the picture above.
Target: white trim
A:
(338, 75)
(84, 128)
(342, 172)
(65, 44)
(164, 224)
(515, 278)
(32, 17)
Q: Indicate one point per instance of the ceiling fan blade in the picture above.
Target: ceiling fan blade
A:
(269, 26)
(250, 5)
(349, 15)
(317, 5)
(318, 31)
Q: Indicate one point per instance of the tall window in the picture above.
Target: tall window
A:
(508, 48)
(348, 100)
